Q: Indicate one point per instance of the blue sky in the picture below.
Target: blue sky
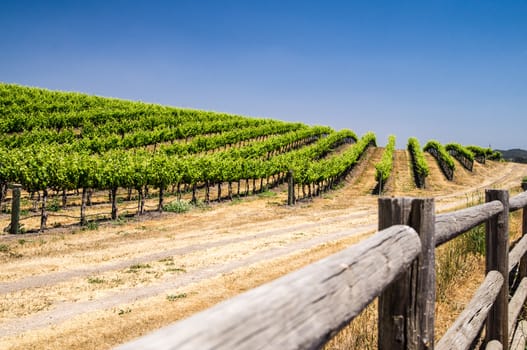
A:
(444, 70)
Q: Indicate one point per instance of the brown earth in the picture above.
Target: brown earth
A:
(94, 289)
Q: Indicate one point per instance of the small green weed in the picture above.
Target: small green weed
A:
(175, 269)
(121, 220)
(54, 206)
(4, 248)
(174, 297)
(201, 205)
(137, 267)
(95, 280)
(267, 194)
(167, 259)
(22, 241)
(177, 207)
(91, 226)
(124, 311)
(235, 201)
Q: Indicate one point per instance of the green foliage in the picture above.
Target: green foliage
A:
(496, 155)
(174, 297)
(474, 241)
(175, 269)
(442, 154)
(91, 226)
(462, 154)
(478, 151)
(383, 169)
(313, 171)
(95, 280)
(463, 151)
(177, 207)
(267, 194)
(419, 162)
(66, 141)
(124, 311)
(136, 267)
(54, 205)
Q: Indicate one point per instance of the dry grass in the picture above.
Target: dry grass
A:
(361, 334)
(101, 330)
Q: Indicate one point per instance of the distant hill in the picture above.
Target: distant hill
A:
(515, 155)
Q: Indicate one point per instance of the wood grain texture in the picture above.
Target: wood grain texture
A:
(518, 342)
(497, 258)
(423, 280)
(516, 304)
(518, 202)
(393, 301)
(451, 225)
(516, 253)
(301, 310)
(407, 306)
(522, 271)
(467, 326)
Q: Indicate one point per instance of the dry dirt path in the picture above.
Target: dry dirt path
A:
(96, 289)
(402, 180)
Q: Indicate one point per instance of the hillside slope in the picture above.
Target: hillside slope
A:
(514, 155)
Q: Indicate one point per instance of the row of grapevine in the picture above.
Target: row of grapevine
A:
(25, 109)
(51, 166)
(419, 165)
(140, 138)
(481, 154)
(444, 159)
(321, 175)
(383, 169)
(462, 154)
(39, 168)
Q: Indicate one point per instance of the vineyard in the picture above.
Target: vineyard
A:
(64, 147)
(72, 145)
(134, 215)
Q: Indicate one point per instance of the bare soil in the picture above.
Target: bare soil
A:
(94, 289)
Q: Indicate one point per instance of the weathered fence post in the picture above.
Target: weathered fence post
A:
(406, 307)
(14, 228)
(290, 188)
(522, 271)
(497, 258)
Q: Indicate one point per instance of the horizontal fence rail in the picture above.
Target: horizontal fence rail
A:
(518, 202)
(451, 225)
(304, 309)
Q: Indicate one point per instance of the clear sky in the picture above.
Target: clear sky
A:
(454, 71)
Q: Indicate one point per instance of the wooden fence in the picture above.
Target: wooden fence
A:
(304, 309)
